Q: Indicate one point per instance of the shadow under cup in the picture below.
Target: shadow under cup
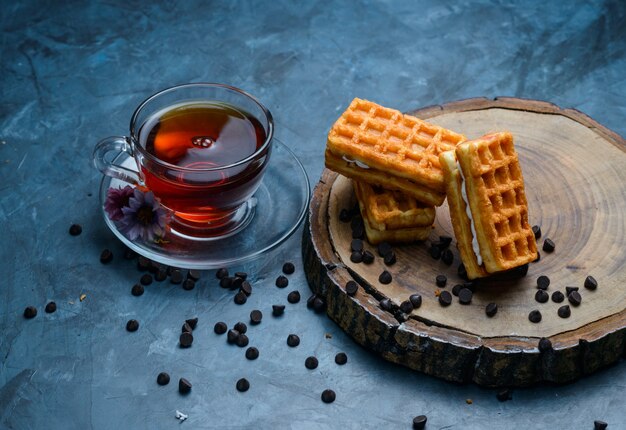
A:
(202, 150)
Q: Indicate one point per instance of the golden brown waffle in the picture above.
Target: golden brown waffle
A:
(391, 216)
(490, 170)
(382, 146)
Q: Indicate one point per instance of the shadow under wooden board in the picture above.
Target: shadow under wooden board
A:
(575, 176)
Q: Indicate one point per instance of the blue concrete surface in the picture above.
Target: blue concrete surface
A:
(72, 72)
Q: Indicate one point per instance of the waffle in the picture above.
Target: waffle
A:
(392, 216)
(382, 146)
(488, 170)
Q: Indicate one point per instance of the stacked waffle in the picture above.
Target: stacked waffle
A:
(402, 167)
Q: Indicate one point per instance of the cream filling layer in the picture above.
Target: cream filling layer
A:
(468, 211)
(358, 163)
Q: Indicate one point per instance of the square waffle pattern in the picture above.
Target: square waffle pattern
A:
(386, 140)
(496, 195)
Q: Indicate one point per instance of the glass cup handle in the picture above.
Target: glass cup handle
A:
(114, 145)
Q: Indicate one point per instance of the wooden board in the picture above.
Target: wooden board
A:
(575, 175)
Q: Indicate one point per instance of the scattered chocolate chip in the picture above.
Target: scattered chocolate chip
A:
(241, 327)
(491, 309)
(541, 296)
(356, 257)
(599, 425)
(76, 229)
(344, 215)
(520, 271)
(359, 232)
(416, 300)
(504, 395)
(351, 288)
(385, 304)
(462, 272)
(456, 289)
(161, 275)
(106, 256)
(221, 273)
(591, 283)
(384, 248)
(143, 263)
(356, 245)
(186, 328)
(242, 385)
(310, 300)
(406, 306)
(252, 353)
(441, 281)
(569, 290)
(255, 317)
(447, 257)
(236, 283)
(341, 358)
(132, 325)
(241, 275)
(318, 304)
(30, 312)
(246, 288)
(189, 284)
(390, 258)
(226, 282)
(193, 323)
(328, 396)
(293, 297)
(445, 298)
(184, 386)
(368, 257)
(278, 310)
(544, 345)
(193, 274)
(311, 363)
(282, 281)
(242, 341)
(575, 298)
(558, 297)
(465, 296)
(543, 282)
(176, 276)
(445, 241)
(356, 222)
(163, 378)
(232, 335)
(51, 307)
(240, 298)
(536, 231)
(293, 340)
(548, 245)
(146, 279)
(534, 316)
(385, 277)
(288, 268)
(220, 327)
(419, 422)
(435, 252)
(185, 340)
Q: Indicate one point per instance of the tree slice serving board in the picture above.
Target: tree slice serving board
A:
(575, 175)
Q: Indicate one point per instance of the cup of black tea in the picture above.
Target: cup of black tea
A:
(202, 150)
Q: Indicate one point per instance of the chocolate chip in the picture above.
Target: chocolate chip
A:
(106, 256)
(318, 304)
(465, 296)
(278, 310)
(240, 298)
(51, 307)
(163, 378)
(232, 335)
(186, 328)
(543, 282)
(184, 386)
(137, 290)
(447, 257)
(416, 300)
(541, 296)
(193, 323)
(558, 297)
(132, 325)
(176, 276)
(544, 345)
(462, 272)
(293, 340)
(356, 245)
(536, 231)
(161, 275)
(351, 288)
(548, 245)
(356, 257)
(341, 358)
(599, 425)
(385, 277)
(220, 327)
(384, 248)
(143, 263)
(441, 281)
(504, 395)
(445, 298)
(30, 312)
(242, 385)
(591, 283)
(241, 275)
(534, 316)
(328, 396)
(293, 297)
(226, 282)
(406, 306)
(491, 309)
(255, 317)
(344, 215)
(189, 284)
(185, 340)
(236, 283)
(574, 298)
(419, 422)
(564, 311)
(390, 258)
(311, 363)
(368, 257)
(456, 289)
(569, 290)
(252, 353)
(193, 274)
(358, 233)
(146, 279)
(241, 327)
(242, 341)
(76, 229)
(288, 268)
(282, 281)
(435, 252)
(444, 241)
(356, 223)
(246, 288)
(221, 273)
(385, 304)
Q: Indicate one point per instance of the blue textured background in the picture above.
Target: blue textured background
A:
(72, 72)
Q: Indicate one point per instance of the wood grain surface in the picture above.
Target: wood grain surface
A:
(575, 176)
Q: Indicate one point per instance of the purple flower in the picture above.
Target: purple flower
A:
(117, 198)
(143, 217)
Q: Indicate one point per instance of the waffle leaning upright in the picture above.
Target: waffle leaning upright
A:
(381, 146)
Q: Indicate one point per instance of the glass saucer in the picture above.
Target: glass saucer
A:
(280, 206)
